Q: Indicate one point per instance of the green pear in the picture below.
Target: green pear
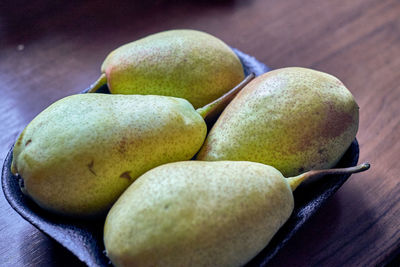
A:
(182, 63)
(295, 119)
(83, 151)
(198, 213)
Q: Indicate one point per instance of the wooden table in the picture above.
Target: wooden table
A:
(51, 49)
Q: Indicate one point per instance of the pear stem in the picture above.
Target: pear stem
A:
(98, 83)
(295, 181)
(216, 107)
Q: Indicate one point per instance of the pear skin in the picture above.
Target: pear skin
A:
(82, 152)
(198, 213)
(182, 63)
(295, 119)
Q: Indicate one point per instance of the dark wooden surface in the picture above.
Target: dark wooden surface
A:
(51, 49)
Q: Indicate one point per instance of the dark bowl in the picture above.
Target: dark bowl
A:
(85, 238)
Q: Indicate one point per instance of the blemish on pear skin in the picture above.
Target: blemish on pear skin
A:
(336, 122)
(18, 143)
(21, 136)
(90, 167)
(28, 142)
(126, 175)
(124, 145)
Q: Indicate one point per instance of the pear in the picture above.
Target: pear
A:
(295, 119)
(78, 155)
(182, 63)
(198, 213)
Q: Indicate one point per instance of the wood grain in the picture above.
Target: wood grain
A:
(51, 49)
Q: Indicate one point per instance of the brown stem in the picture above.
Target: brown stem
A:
(297, 180)
(217, 106)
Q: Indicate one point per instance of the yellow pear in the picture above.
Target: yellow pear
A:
(182, 63)
(78, 155)
(197, 213)
(295, 119)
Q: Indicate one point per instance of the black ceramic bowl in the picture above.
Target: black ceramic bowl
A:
(85, 239)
